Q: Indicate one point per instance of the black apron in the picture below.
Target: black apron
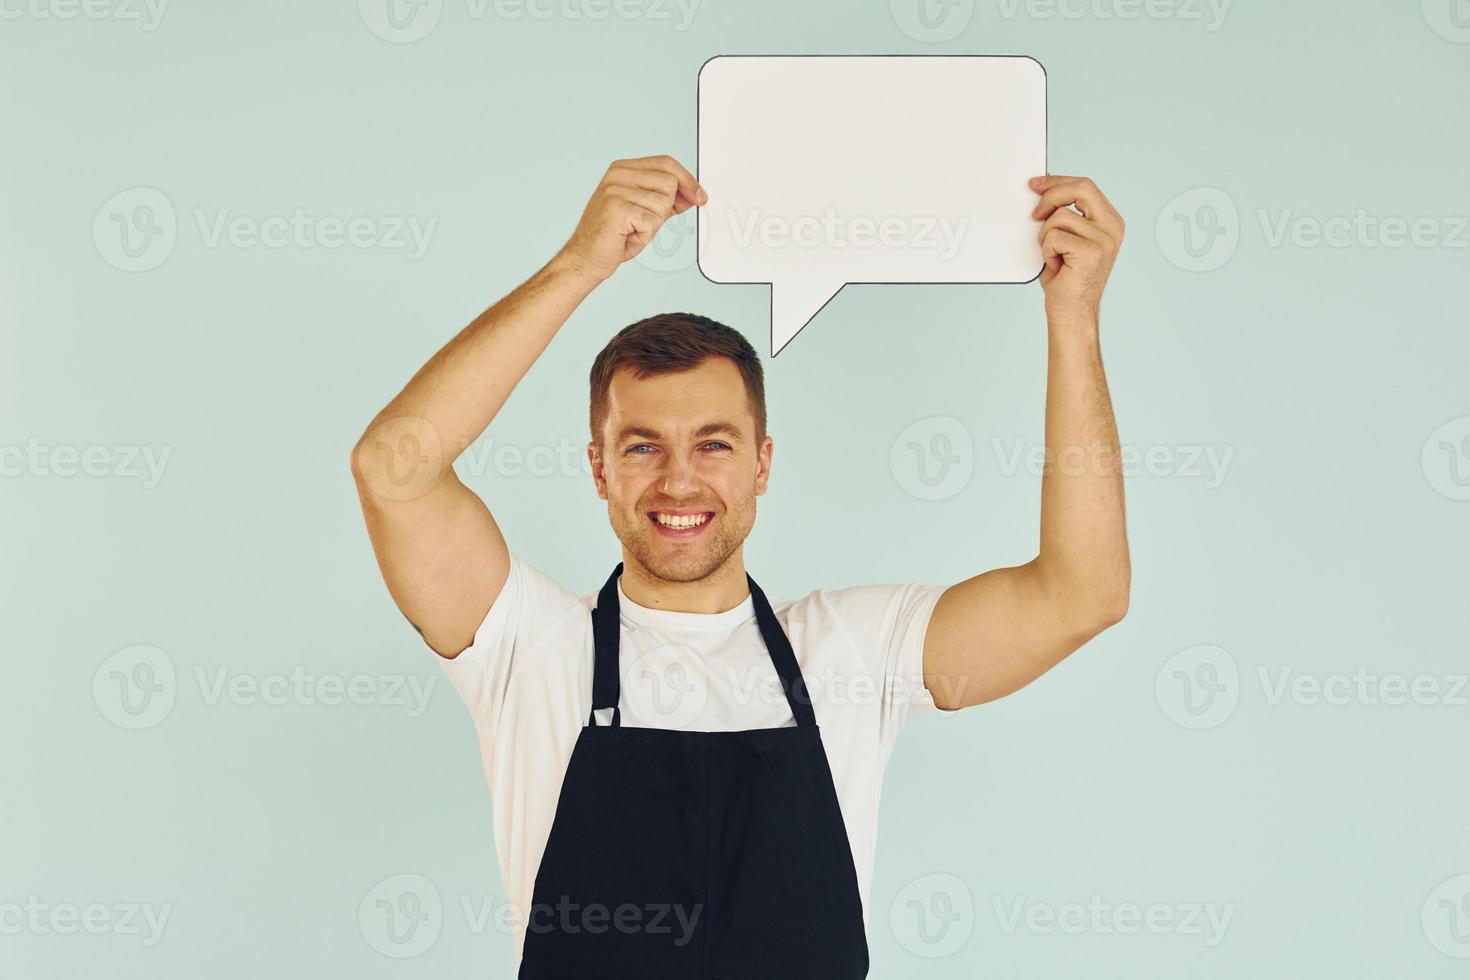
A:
(696, 855)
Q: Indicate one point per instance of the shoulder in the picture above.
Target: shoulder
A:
(860, 603)
(530, 605)
(872, 616)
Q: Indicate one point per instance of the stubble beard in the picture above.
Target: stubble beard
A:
(684, 562)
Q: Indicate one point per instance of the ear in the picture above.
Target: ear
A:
(594, 457)
(763, 465)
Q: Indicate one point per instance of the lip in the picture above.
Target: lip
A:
(680, 534)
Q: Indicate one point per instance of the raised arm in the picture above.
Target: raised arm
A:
(440, 551)
(997, 632)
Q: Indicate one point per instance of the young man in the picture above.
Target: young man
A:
(656, 813)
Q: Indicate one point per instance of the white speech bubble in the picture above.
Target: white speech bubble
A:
(837, 169)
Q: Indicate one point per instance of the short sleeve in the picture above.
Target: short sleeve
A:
(529, 604)
(887, 623)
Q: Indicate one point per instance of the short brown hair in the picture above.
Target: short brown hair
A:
(672, 342)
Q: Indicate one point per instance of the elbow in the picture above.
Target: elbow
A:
(1097, 611)
(1111, 604)
(1109, 607)
(1086, 620)
(1112, 611)
(1086, 605)
(397, 462)
(357, 462)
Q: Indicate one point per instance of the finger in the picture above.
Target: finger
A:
(672, 180)
(1049, 269)
(1069, 220)
(649, 200)
(1059, 191)
(1068, 246)
(1083, 193)
(688, 186)
(660, 181)
(639, 223)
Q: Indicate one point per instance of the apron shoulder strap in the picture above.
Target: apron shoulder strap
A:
(783, 658)
(605, 627)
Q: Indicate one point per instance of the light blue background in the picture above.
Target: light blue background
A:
(1333, 540)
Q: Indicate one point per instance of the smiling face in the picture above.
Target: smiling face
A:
(680, 467)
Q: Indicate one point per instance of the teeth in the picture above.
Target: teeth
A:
(681, 521)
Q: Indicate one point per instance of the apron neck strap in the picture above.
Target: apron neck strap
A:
(606, 638)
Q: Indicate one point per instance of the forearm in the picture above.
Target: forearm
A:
(460, 390)
(1083, 559)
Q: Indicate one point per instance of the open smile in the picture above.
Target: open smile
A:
(681, 523)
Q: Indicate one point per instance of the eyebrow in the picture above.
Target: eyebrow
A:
(703, 432)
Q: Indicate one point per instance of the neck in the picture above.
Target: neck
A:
(719, 591)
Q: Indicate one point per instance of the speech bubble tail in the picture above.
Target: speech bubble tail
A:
(793, 304)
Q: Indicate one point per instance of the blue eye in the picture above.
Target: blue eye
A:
(718, 445)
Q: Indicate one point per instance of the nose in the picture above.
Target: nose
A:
(679, 475)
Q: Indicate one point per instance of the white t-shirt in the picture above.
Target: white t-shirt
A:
(527, 681)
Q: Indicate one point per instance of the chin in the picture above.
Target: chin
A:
(678, 568)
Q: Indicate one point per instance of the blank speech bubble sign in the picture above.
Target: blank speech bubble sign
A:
(829, 170)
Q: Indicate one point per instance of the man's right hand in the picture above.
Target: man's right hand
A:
(631, 203)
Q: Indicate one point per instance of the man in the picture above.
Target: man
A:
(719, 833)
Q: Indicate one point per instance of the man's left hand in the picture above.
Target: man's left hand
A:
(1080, 235)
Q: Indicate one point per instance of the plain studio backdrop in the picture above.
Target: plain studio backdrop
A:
(229, 233)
